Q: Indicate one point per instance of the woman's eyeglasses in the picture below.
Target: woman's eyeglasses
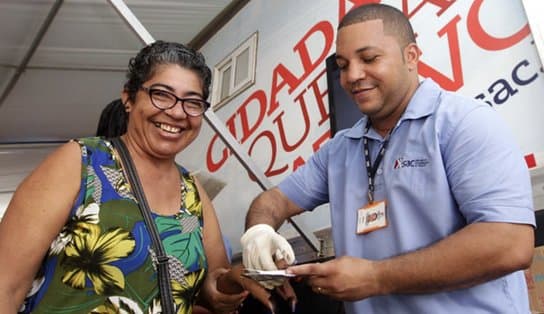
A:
(164, 100)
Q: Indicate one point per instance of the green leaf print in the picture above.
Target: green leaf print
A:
(187, 247)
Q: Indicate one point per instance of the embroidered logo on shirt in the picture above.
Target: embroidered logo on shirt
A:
(410, 163)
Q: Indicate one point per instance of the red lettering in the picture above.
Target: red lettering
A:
(287, 78)
(260, 97)
(455, 56)
(321, 140)
(282, 75)
(326, 29)
(299, 161)
(443, 4)
(281, 128)
(483, 39)
(212, 165)
(342, 6)
(269, 171)
(319, 96)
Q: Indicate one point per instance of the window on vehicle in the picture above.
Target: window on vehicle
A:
(235, 73)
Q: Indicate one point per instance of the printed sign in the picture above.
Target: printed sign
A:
(480, 48)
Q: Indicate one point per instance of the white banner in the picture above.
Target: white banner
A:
(482, 49)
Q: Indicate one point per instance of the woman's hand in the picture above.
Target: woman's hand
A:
(233, 282)
(287, 293)
(227, 301)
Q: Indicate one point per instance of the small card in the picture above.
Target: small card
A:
(263, 275)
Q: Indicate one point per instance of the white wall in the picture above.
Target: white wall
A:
(533, 10)
(4, 201)
(16, 162)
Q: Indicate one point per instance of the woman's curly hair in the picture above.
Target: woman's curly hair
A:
(142, 67)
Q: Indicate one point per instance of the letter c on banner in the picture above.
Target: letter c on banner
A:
(483, 39)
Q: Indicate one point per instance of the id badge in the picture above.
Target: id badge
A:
(371, 217)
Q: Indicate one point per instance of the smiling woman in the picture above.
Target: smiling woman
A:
(89, 248)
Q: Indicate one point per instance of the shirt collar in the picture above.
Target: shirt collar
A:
(422, 104)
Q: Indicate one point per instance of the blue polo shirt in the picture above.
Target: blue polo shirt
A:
(450, 162)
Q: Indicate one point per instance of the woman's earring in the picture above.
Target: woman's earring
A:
(127, 106)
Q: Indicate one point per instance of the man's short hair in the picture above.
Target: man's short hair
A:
(394, 21)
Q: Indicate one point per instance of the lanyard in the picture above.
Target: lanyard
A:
(371, 170)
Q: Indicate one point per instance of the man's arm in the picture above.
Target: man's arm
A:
(477, 253)
(271, 207)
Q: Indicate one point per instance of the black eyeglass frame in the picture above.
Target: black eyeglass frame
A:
(150, 90)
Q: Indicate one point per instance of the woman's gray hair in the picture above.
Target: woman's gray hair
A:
(143, 66)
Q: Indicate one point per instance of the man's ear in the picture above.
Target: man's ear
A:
(411, 56)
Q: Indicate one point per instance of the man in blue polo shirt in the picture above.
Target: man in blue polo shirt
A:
(430, 198)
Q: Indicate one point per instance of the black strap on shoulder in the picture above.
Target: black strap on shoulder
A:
(165, 289)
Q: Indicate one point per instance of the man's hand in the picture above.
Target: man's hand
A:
(345, 278)
(263, 247)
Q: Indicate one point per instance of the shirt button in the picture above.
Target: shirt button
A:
(379, 171)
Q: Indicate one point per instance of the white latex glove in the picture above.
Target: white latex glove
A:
(261, 247)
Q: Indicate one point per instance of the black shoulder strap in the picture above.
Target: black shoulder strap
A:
(165, 289)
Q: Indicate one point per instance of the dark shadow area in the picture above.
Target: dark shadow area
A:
(309, 302)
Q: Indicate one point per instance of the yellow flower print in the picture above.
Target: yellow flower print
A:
(77, 224)
(89, 255)
(185, 292)
(192, 199)
(117, 305)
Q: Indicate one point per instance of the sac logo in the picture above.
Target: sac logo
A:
(410, 163)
